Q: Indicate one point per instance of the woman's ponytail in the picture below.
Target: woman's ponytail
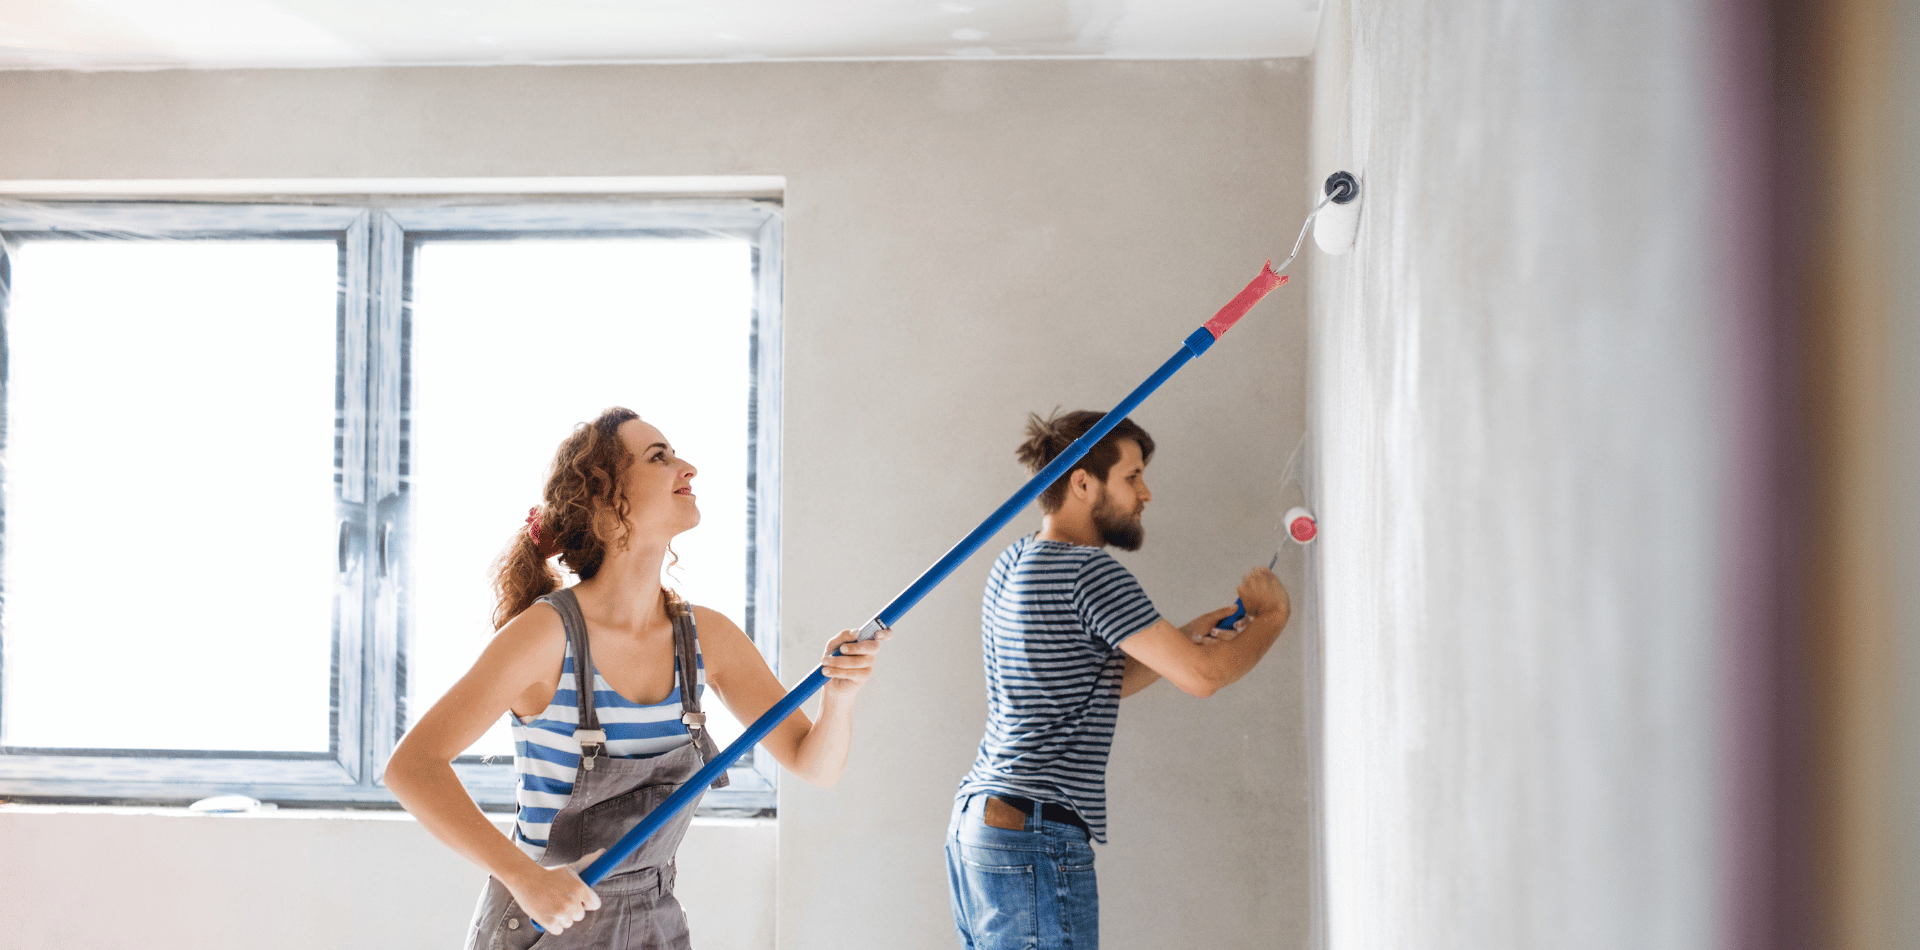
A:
(520, 577)
(584, 505)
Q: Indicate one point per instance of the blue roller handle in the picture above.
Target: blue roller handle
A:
(1239, 610)
(1196, 343)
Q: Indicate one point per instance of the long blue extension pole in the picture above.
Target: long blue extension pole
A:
(1195, 344)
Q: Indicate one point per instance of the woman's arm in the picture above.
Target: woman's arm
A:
(815, 751)
(521, 665)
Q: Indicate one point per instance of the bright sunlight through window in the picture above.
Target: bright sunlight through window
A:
(169, 466)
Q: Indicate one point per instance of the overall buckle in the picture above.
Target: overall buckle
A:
(591, 742)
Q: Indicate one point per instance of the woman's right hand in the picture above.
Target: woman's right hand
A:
(852, 666)
(555, 898)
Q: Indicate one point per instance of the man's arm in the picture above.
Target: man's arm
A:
(1137, 677)
(1202, 670)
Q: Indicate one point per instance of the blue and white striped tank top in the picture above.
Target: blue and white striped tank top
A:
(547, 756)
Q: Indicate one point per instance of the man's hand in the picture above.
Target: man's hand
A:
(1264, 595)
(1199, 661)
(1200, 628)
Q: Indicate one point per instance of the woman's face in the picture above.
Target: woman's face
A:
(659, 483)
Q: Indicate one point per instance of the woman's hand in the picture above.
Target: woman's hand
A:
(854, 666)
(555, 898)
(815, 751)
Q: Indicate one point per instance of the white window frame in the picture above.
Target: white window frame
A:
(375, 238)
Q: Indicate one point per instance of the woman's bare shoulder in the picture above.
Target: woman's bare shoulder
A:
(535, 633)
(708, 620)
(724, 644)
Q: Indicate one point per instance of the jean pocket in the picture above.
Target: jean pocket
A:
(1080, 905)
(1001, 896)
(1076, 856)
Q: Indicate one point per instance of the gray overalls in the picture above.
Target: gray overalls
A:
(637, 907)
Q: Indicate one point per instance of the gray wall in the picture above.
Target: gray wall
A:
(967, 242)
(1523, 403)
(1903, 372)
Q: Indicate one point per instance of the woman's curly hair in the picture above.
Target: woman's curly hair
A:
(583, 515)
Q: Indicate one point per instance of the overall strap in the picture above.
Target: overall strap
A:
(686, 645)
(685, 648)
(593, 739)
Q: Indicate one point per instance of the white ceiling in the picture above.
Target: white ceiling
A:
(135, 34)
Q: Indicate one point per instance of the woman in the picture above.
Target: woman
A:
(594, 760)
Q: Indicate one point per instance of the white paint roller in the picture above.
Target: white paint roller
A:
(1336, 223)
(1300, 527)
(1301, 530)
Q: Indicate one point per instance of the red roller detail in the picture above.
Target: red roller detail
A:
(1238, 306)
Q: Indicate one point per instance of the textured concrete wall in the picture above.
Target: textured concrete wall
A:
(1522, 403)
(967, 242)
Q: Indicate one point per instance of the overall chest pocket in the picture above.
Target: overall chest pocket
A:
(601, 824)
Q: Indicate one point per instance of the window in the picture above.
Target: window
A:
(260, 456)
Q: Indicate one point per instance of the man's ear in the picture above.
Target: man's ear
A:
(1079, 483)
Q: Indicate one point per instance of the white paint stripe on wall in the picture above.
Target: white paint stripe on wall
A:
(1520, 411)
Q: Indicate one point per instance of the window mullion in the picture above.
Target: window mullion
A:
(352, 583)
(764, 469)
(6, 293)
(387, 495)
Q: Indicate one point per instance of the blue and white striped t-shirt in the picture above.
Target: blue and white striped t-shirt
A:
(1050, 627)
(547, 756)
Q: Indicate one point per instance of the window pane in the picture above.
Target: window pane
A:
(169, 495)
(514, 342)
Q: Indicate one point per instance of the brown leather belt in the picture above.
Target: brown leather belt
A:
(1047, 811)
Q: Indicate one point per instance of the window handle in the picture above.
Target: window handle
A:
(386, 529)
(349, 553)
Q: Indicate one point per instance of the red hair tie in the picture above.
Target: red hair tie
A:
(533, 524)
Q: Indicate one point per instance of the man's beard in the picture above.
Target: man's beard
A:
(1116, 529)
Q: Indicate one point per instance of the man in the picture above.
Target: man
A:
(1066, 632)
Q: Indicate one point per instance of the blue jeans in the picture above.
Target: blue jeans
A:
(1031, 889)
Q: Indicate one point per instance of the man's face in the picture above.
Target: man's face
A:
(1123, 496)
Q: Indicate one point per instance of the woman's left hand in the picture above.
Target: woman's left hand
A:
(854, 666)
